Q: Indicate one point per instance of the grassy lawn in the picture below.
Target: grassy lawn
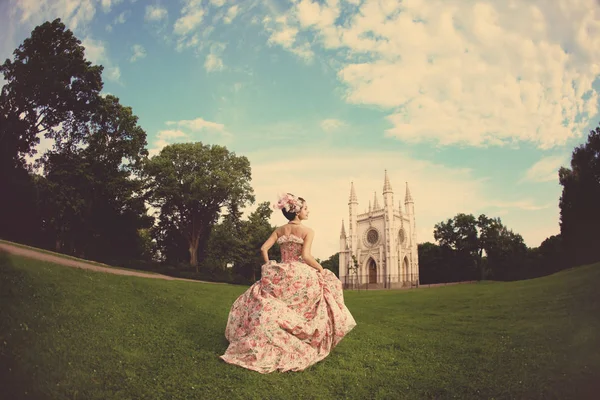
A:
(39, 250)
(73, 334)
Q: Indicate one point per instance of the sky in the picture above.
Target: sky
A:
(476, 104)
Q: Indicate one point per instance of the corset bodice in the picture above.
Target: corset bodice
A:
(291, 248)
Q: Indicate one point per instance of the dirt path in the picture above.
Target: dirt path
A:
(29, 253)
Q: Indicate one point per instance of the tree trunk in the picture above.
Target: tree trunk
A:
(194, 256)
(194, 250)
(479, 262)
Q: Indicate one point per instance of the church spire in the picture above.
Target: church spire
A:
(353, 198)
(376, 203)
(386, 184)
(343, 233)
(408, 197)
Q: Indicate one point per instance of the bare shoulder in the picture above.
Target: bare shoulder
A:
(308, 232)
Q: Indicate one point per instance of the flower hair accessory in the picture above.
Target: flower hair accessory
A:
(290, 202)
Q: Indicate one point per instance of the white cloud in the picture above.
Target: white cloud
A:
(166, 137)
(191, 16)
(545, 170)
(171, 134)
(525, 204)
(198, 124)
(332, 124)
(108, 4)
(187, 132)
(214, 62)
(138, 52)
(217, 3)
(439, 191)
(120, 19)
(95, 51)
(232, 12)
(459, 72)
(75, 14)
(283, 34)
(155, 13)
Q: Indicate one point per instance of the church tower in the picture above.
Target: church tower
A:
(383, 240)
(343, 270)
(353, 209)
(391, 256)
(414, 254)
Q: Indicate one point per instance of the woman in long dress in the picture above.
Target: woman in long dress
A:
(295, 314)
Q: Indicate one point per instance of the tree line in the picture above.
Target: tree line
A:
(476, 248)
(89, 195)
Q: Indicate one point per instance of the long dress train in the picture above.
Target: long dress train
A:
(290, 319)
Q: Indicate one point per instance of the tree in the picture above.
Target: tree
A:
(434, 265)
(579, 210)
(254, 232)
(507, 254)
(50, 89)
(49, 83)
(92, 201)
(470, 237)
(191, 183)
(461, 235)
(333, 264)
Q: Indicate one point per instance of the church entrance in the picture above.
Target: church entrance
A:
(372, 271)
(405, 274)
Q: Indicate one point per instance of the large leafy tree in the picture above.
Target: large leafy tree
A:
(436, 264)
(254, 232)
(190, 183)
(237, 243)
(93, 200)
(471, 237)
(461, 235)
(579, 202)
(333, 264)
(49, 85)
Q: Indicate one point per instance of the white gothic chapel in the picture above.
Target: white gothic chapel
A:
(383, 241)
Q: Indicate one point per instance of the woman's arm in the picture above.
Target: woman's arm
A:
(306, 252)
(264, 249)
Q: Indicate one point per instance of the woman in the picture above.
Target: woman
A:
(295, 315)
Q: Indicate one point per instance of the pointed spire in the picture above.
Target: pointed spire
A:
(353, 198)
(370, 209)
(408, 197)
(386, 184)
(375, 203)
(343, 233)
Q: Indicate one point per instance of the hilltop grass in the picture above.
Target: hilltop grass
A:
(73, 334)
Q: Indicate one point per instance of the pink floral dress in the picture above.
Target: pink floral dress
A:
(290, 319)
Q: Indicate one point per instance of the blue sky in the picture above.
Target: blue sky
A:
(475, 104)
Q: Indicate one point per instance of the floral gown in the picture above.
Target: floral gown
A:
(290, 319)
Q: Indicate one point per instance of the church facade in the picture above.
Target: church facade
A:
(380, 249)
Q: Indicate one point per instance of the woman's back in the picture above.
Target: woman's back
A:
(291, 240)
(291, 248)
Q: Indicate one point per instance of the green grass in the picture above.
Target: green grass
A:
(73, 334)
(39, 250)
